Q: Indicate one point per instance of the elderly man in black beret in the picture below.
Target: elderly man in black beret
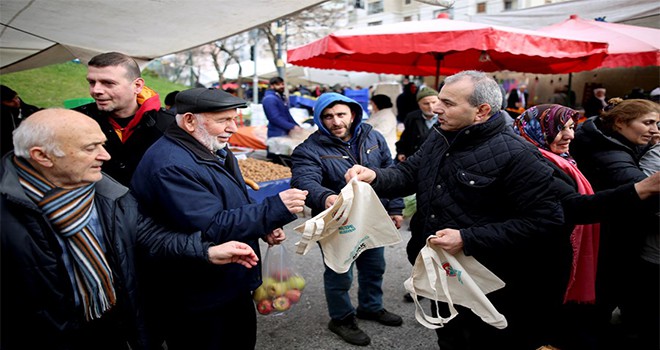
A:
(190, 180)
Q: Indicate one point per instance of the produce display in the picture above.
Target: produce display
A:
(261, 170)
(278, 292)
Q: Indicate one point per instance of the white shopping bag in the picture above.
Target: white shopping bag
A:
(453, 279)
(356, 222)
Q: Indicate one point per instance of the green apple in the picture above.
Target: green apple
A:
(281, 303)
(260, 294)
(276, 289)
(296, 282)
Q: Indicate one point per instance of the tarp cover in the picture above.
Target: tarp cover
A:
(35, 33)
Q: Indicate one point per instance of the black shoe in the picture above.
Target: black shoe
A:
(383, 317)
(348, 330)
(408, 298)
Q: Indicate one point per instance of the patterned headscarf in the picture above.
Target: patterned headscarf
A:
(541, 124)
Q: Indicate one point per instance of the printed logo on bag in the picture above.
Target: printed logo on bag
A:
(452, 272)
(346, 229)
(361, 246)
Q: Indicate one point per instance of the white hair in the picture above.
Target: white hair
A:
(30, 134)
(486, 89)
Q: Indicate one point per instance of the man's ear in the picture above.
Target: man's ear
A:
(138, 85)
(39, 156)
(189, 122)
(482, 113)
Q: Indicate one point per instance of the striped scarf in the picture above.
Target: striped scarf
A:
(69, 212)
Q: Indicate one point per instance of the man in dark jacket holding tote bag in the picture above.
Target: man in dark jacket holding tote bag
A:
(483, 190)
(319, 164)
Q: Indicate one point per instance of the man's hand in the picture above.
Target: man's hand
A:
(449, 240)
(330, 201)
(401, 157)
(294, 200)
(363, 174)
(233, 252)
(296, 131)
(276, 237)
(397, 220)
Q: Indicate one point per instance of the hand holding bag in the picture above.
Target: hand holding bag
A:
(357, 221)
(453, 279)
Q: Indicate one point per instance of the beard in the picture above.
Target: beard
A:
(209, 141)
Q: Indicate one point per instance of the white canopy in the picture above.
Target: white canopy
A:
(36, 33)
(644, 13)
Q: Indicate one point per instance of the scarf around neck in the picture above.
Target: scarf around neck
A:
(69, 210)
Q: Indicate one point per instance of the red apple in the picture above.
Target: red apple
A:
(281, 303)
(281, 275)
(293, 295)
(265, 307)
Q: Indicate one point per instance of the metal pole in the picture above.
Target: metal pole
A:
(255, 77)
(280, 62)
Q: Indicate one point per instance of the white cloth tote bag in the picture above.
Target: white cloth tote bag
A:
(356, 222)
(453, 279)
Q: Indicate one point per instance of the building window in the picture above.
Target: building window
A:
(481, 7)
(376, 23)
(359, 4)
(508, 5)
(375, 7)
(407, 18)
(407, 2)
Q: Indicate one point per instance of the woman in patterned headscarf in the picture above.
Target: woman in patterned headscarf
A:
(550, 127)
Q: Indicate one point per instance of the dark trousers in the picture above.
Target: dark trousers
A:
(230, 326)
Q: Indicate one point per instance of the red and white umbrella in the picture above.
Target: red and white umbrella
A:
(444, 46)
(629, 45)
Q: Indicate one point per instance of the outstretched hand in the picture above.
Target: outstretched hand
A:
(294, 200)
(233, 252)
(363, 174)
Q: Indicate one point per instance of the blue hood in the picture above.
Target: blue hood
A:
(330, 98)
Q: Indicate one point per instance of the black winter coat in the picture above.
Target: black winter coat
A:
(126, 156)
(492, 186)
(36, 291)
(413, 135)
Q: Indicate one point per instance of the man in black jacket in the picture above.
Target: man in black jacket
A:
(417, 124)
(69, 239)
(13, 110)
(484, 191)
(128, 112)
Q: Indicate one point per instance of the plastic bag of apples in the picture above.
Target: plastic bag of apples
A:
(282, 286)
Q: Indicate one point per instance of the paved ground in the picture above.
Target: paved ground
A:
(305, 325)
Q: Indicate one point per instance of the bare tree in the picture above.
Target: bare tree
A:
(305, 26)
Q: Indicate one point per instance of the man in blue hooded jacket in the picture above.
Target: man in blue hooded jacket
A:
(318, 166)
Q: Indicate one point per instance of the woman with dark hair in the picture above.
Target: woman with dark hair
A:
(608, 149)
(550, 128)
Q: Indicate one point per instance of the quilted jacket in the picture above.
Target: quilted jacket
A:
(491, 185)
(37, 294)
(320, 162)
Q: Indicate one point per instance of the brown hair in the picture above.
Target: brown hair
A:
(112, 59)
(619, 110)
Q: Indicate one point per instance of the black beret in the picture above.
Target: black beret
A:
(200, 100)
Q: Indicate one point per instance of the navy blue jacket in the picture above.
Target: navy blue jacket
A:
(181, 184)
(320, 162)
(280, 121)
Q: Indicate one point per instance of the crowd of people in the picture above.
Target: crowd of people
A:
(127, 225)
